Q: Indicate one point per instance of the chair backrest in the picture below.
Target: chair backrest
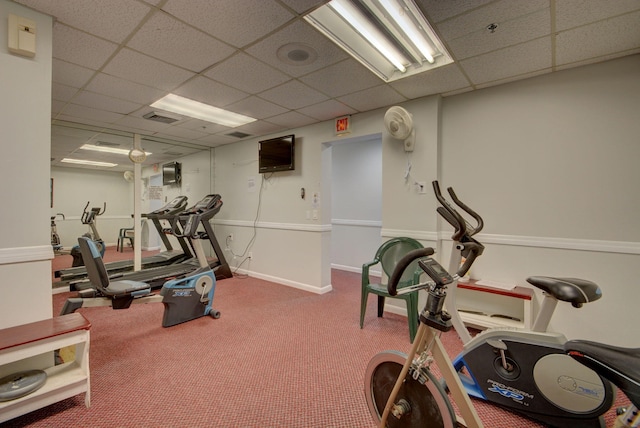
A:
(96, 270)
(392, 251)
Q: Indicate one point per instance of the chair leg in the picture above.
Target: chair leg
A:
(363, 305)
(412, 315)
(380, 306)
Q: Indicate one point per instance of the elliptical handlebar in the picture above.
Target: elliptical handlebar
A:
(402, 264)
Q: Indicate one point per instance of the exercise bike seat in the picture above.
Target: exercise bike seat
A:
(618, 365)
(573, 290)
(99, 277)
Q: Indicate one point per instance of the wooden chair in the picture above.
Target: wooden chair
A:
(388, 256)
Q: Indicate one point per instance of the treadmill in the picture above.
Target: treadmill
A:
(168, 257)
(206, 209)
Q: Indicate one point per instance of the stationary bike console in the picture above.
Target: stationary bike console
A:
(435, 271)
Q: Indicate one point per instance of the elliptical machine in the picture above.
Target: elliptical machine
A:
(89, 218)
(526, 371)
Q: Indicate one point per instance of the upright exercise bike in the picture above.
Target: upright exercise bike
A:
(526, 371)
(89, 218)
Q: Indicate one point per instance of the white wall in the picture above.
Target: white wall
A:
(25, 121)
(551, 163)
(74, 187)
(197, 176)
(356, 192)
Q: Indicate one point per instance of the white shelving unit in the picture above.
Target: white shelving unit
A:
(64, 380)
(485, 307)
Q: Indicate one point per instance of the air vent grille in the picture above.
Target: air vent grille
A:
(107, 144)
(173, 153)
(164, 118)
(238, 134)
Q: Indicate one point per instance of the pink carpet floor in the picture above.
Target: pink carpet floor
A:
(277, 357)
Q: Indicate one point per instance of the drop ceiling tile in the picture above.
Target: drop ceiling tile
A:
(500, 12)
(180, 133)
(510, 32)
(292, 119)
(256, 107)
(62, 92)
(85, 120)
(373, 98)
(103, 102)
(301, 6)
(247, 73)
(139, 124)
(509, 62)
(165, 38)
(238, 22)
(514, 79)
(85, 112)
(598, 59)
(343, 78)
(70, 74)
(147, 71)
(327, 110)
(438, 10)
(442, 79)
(124, 89)
(574, 13)
(80, 48)
(258, 128)
(302, 34)
(113, 20)
(201, 126)
(216, 140)
(209, 92)
(293, 95)
(57, 106)
(602, 38)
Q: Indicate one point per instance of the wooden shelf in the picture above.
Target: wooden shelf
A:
(64, 380)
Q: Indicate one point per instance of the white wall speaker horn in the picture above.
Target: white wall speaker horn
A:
(399, 124)
(128, 175)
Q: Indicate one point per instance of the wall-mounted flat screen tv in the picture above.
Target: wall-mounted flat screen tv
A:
(171, 173)
(277, 154)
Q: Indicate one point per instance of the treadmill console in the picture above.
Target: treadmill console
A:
(207, 203)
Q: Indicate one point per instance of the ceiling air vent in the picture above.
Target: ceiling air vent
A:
(238, 134)
(173, 153)
(164, 118)
(107, 144)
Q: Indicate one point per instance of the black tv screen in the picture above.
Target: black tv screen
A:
(171, 173)
(277, 154)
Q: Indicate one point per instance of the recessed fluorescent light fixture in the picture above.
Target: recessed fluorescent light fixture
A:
(198, 110)
(106, 149)
(390, 37)
(88, 162)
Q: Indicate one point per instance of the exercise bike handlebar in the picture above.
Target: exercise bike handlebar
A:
(458, 222)
(403, 263)
(465, 207)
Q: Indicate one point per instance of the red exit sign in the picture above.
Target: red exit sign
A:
(343, 125)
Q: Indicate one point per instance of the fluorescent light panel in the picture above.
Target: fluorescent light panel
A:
(105, 149)
(198, 110)
(88, 162)
(401, 18)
